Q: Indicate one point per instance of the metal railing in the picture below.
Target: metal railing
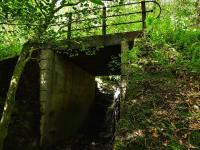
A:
(104, 17)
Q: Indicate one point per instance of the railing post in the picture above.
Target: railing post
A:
(69, 26)
(144, 15)
(104, 21)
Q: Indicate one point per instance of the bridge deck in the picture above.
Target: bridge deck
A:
(104, 40)
(105, 48)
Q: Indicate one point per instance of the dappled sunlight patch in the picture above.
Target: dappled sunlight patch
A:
(193, 94)
(43, 80)
(161, 113)
(5, 107)
(154, 132)
(194, 124)
(132, 102)
(13, 81)
(135, 134)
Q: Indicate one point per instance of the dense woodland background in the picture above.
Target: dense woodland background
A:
(161, 106)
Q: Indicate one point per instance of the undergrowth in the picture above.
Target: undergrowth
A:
(161, 108)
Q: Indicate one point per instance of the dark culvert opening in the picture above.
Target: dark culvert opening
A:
(97, 133)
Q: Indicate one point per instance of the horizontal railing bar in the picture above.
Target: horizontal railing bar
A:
(126, 14)
(125, 23)
(133, 3)
(100, 18)
(86, 28)
(90, 19)
(83, 20)
(107, 25)
(124, 4)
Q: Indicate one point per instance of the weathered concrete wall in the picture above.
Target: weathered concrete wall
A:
(69, 98)
(46, 79)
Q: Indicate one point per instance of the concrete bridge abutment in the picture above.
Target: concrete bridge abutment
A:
(66, 95)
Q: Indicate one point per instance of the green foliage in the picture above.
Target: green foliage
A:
(195, 138)
(159, 83)
(9, 50)
(97, 2)
(174, 145)
(38, 20)
(173, 33)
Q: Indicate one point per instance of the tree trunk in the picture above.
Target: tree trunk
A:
(10, 99)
